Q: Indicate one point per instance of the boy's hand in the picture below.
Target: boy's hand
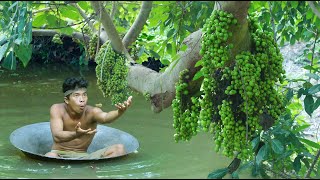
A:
(123, 106)
(82, 131)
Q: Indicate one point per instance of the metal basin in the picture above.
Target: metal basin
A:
(35, 140)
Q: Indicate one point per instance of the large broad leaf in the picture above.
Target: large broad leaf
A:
(198, 75)
(255, 143)
(316, 104)
(289, 94)
(10, 61)
(218, 174)
(70, 12)
(28, 33)
(67, 31)
(301, 128)
(310, 143)
(39, 20)
(84, 5)
(312, 75)
(314, 89)
(297, 163)
(23, 52)
(262, 154)
(276, 146)
(308, 104)
(3, 50)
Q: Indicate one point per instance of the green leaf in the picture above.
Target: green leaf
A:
(218, 174)
(70, 12)
(301, 91)
(255, 143)
(169, 48)
(300, 128)
(23, 52)
(39, 20)
(199, 63)
(170, 33)
(262, 154)
(154, 54)
(198, 75)
(165, 61)
(312, 75)
(316, 104)
(309, 14)
(308, 67)
(10, 62)
(292, 40)
(314, 89)
(307, 85)
(52, 21)
(310, 143)
(297, 164)
(183, 47)
(276, 146)
(263, 173)
(3, 50)
(29, 32)
(141, 51)
(308, 104)
(84, 5)
(289, 94)
(294, 4)
(67, 31)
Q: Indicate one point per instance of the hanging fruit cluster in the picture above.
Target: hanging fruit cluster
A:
(92, 46)
(111, 72)
(56, 39)
(185, 110)
(235, 96)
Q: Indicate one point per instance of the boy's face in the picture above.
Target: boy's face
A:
(77, 100)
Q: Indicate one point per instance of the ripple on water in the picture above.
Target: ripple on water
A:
(141, 169)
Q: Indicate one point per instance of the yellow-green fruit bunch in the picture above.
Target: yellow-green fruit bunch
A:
(185, 110)
(215, 54)
(56, 39)
(111, 72)
(236, 97)
(93, 46)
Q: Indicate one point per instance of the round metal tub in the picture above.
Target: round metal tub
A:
(35, 140)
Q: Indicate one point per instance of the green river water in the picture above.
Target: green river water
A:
(26, 96)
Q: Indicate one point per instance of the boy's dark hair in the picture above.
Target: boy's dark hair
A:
(72, 83)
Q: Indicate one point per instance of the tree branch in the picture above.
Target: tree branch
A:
(161, 86)
(108, 26)
(76, 35)
(110, 29)
(312, 165)
(84, 15)
(138, 24)
(41, 10)
(314, 9)
(114, 9)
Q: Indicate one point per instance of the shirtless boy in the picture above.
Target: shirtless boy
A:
(73, 123)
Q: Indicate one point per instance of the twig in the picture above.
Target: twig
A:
(312, 165)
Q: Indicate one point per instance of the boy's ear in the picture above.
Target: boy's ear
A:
(66, 100)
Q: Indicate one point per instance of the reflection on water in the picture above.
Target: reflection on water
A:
(26, 96)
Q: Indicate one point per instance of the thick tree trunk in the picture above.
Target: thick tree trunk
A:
(161, 86)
